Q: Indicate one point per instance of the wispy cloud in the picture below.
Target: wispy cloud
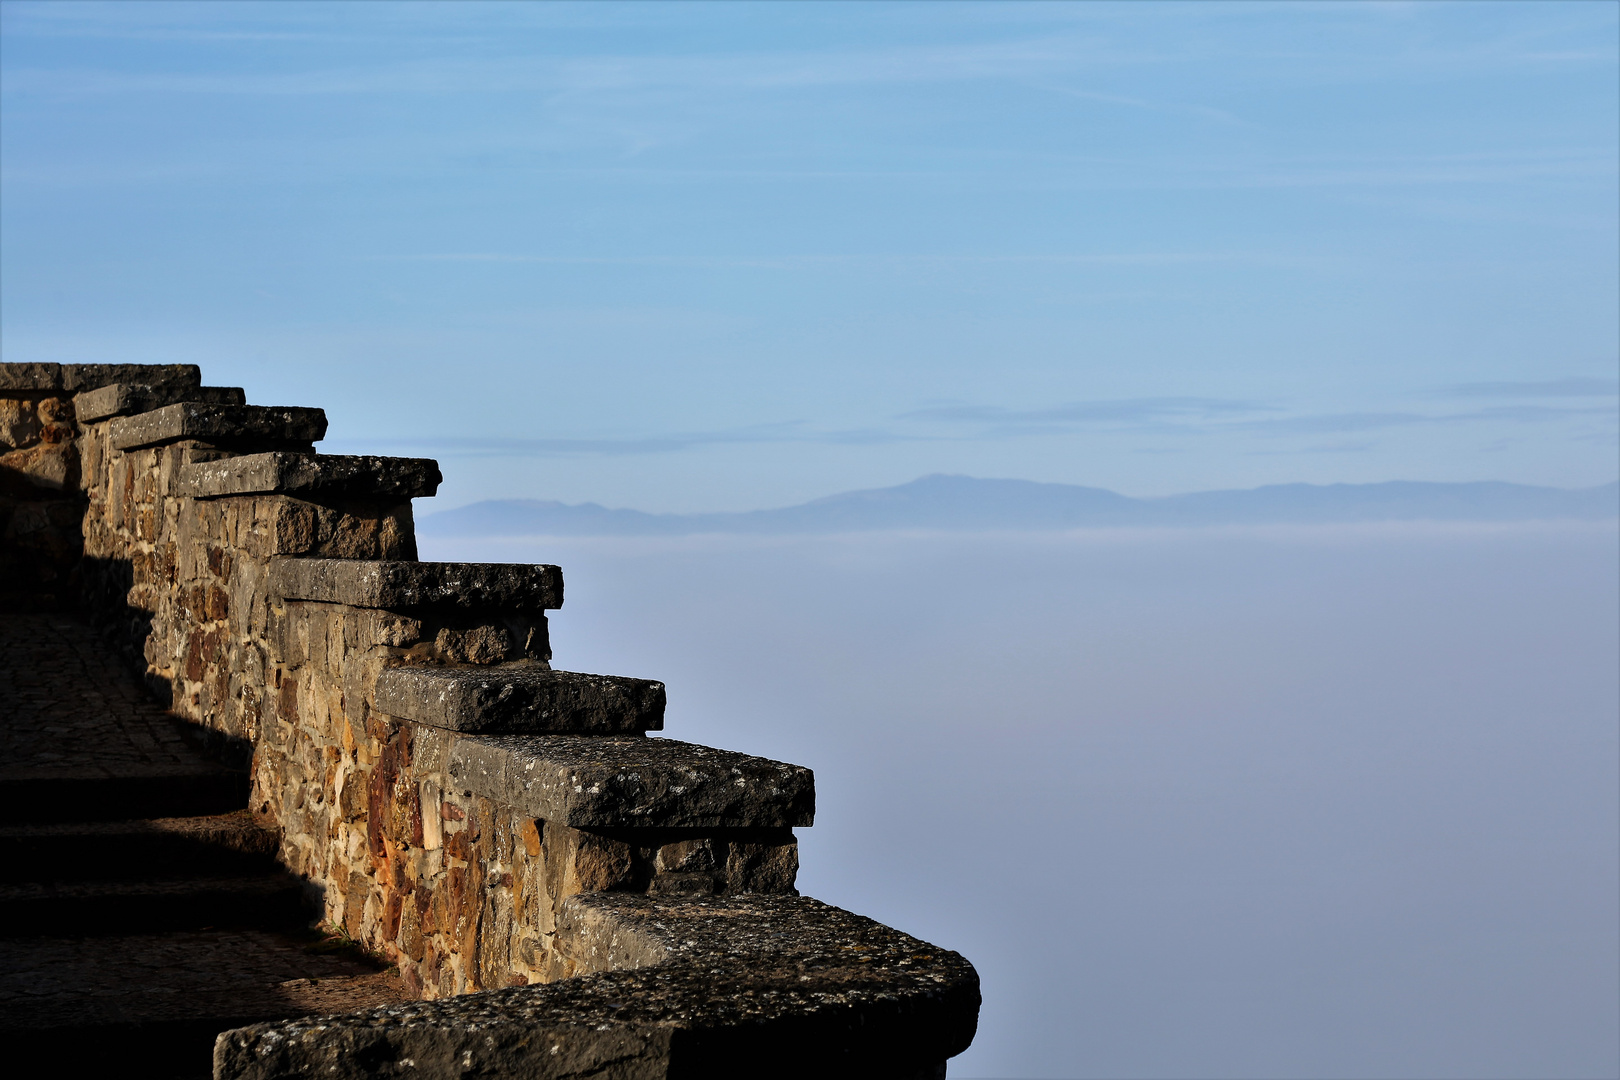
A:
(787, 261)
(1118, 411)
(674, 442)
(539, 71)
(1324, 448)
(1345, 423)
(1550, 388)
(1210, 415)
(1202, 111)
(505, 50)
(959, 423)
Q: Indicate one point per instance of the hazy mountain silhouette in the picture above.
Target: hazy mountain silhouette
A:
(961, 503)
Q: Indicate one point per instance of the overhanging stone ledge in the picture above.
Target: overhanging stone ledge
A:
(212, 422)
(76, 377)
(520, 698)
(630, 781)
(281, 472)
(398, 585)
(725, 987)
(128, 399)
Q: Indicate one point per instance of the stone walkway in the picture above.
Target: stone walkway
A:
(146, 978)
(73, 710)
(130, 933)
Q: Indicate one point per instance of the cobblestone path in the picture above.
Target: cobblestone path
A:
(73, 710)
(141, 910)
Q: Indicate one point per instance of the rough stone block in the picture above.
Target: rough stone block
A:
(49, 466)
(29, 421)
(75, 377)
(724, 987)
(402, 585)
(280, 472)
(618, 781)
(520, 698)
(127, 399)
(30, 377)
(20, 422)
(485, 644)
(219, 423)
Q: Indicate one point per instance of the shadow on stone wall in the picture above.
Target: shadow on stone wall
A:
(41, 540)
(103, 599)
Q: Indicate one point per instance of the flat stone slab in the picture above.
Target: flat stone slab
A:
(222, 423)
(743, 986)
(127, 399)
(629, 781)
(75, 377)
(281, 472)
(395, 585)
(510, 699)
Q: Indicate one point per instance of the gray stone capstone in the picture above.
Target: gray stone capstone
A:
(219, 423)
(76, 377)
(620, 781)
(520, 698)
(279, 472)
(127, 399)
(399, 585)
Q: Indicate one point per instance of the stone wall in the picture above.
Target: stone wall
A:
(41, 496)
(449, 797)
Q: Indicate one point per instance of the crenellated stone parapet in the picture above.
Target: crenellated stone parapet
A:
(565, 895)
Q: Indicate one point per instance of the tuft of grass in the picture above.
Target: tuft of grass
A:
(333, 940)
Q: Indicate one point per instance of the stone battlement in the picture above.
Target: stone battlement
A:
(561, 894)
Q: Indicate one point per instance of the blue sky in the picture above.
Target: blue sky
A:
(686, 257)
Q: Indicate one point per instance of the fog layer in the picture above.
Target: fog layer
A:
(1273, 802)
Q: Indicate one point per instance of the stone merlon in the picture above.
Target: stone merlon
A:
(282, 473)
(127, 399)
(617, 781)
(397, 585)
(520, 699)
(76, 377)
(209, 422)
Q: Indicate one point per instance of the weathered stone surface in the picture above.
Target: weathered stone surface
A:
(127, 399)
(149, 979)
(27, 421)
(520, 698)
(397, 585)
(75, 377)
(50, 466)
(73, 711)
(618, 781)
(250, 424)
(734, 987)
(280, 472)
(20, 423)
(487, 642)
(40, 545)
(30, 377)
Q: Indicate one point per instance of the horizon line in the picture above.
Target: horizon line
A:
(1009, 479)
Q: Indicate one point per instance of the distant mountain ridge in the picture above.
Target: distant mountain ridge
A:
(964, 503)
